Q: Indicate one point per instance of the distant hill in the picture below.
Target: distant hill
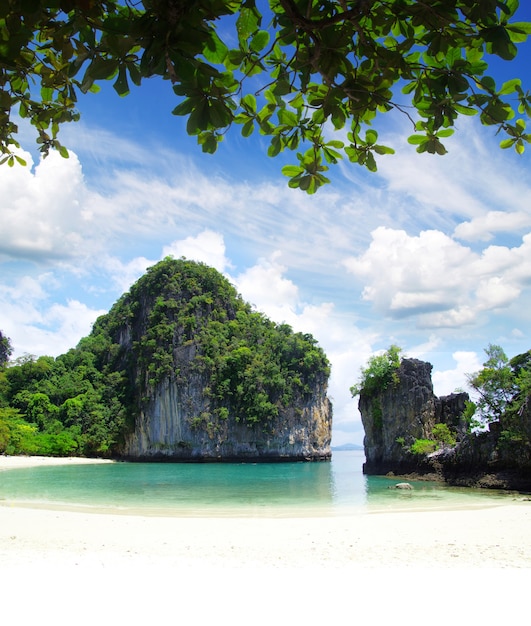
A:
(346, 446)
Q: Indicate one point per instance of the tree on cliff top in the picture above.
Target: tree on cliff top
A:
(380, 372)
(290, 69)
(503, 385)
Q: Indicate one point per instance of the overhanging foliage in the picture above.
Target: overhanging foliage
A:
(288, 69)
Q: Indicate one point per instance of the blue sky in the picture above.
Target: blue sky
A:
(431, 253)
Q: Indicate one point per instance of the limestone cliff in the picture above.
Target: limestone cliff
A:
(208, 378)
(395, 417)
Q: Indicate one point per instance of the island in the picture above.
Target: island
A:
(180, 369)
(413, 434)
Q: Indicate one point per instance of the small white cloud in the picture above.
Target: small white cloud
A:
(208, 247)
(448, 381)
(38, 327)
(264, 286)
(485, 227)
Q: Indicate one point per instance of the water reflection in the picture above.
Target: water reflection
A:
(277, 489)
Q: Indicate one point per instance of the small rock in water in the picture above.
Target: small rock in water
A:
(401, 486)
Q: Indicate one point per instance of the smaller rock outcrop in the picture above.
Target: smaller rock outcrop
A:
(406, 411)
(403, 412)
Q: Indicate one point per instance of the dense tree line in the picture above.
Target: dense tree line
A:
(81, 402)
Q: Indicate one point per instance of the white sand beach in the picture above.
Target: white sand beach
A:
(200, 557)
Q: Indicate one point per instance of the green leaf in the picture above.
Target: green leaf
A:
(417, 139)
(292, 170)
(186, 107)
(288, 118)
(259, 41)
(208, 142)
(248, 128)
(370, 162)
(445, 132)
(520, 147)
(199, 118)
(220, 115)
(507, 143)
(510, 86)
(102, 69)
(215, 51)
(121, 85)
(247, 23)
(249, 103)
(371, 137)
(383, 150)
(275, 147)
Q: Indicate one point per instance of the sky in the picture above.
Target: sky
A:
(430, 253)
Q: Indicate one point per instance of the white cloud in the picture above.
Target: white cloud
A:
(41, 209)
(485, 227)
(208, 247)
(123, 275)
(38, 326)
(436, 279)
(448, 381)
(473, 179)
(264, 286)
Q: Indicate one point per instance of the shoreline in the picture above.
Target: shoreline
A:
(20, 462)
(484, 536)
(139, 568)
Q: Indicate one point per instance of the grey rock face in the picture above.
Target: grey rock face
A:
(168, 429)
(394, 417)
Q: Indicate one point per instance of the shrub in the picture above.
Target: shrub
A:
(443, 435)
(381, 371)
(423, 446)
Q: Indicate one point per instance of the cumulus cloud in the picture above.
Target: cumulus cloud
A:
(437, 280)
(486, 227)
(208, 247)
(448, 381)
(41, 209)
(37, 325)
(266, 288)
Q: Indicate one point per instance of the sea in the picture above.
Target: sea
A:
(332, 488)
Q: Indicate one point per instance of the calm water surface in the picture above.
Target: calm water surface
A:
(243, 489)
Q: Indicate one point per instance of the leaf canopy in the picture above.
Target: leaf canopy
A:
(291, 69)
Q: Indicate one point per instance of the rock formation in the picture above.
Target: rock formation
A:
(408, 410)
(209, 379)
(403, 412)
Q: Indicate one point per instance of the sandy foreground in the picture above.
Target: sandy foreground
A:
(140, 567)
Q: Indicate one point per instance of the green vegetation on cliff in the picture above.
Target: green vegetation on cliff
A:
(84, 401)
(503, 390)
(380, 372)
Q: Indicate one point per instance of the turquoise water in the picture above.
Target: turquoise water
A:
(243, 489)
